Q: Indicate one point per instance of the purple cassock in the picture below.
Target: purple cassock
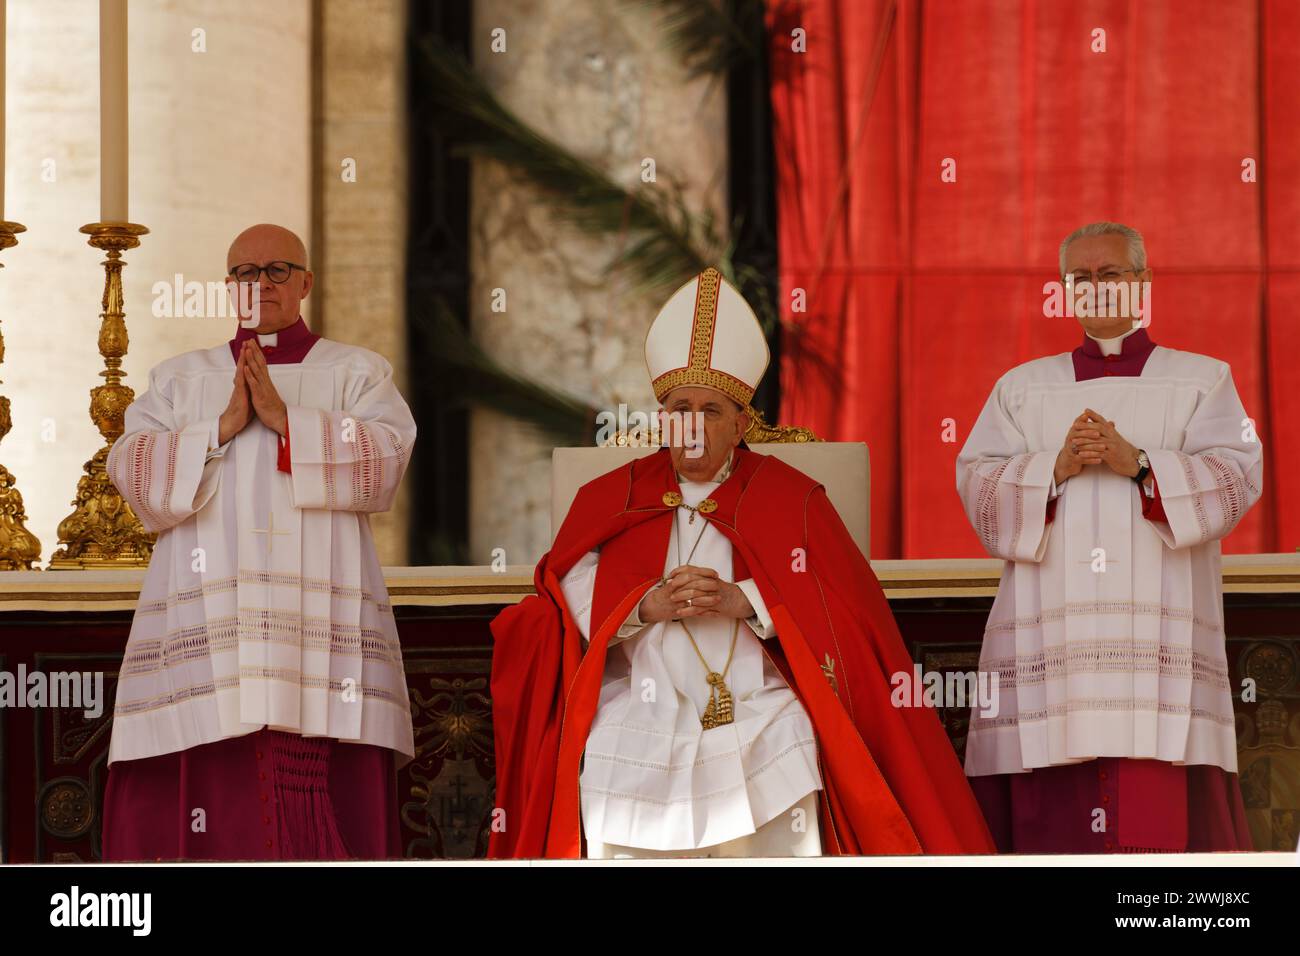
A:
(264, 796)
(268, 795)
(1151, 805)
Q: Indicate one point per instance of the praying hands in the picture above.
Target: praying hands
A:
(690, 591)
(1093, 440)
(268, 405)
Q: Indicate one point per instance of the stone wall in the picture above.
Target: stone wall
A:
(600, 79)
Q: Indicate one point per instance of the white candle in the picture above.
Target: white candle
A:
(113, 138)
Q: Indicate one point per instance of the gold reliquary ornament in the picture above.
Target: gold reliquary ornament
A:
(18, 546)
(103, 531)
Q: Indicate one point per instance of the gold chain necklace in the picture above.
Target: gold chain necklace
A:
(664, 579)
(721, 709)
(673, 500)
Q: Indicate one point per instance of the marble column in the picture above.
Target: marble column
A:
(360, 225)
(601, 79)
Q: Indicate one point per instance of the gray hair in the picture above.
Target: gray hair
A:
(1137, 250)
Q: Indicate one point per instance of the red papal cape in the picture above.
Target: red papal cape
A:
(892, 780)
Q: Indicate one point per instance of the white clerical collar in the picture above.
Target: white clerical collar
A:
(270, 338)
(722, 474)
(1112, 346)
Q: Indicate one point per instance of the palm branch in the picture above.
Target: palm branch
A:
(459, 374)
(666, 244)
(711, 36)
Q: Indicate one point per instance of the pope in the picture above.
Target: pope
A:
(705, 667)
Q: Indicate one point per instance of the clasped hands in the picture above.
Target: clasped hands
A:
(1093, 440)
(254, 394)
(690, 591)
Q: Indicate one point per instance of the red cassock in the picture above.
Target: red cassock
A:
(892, 781)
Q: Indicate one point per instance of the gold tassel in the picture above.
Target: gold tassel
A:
(720, 710)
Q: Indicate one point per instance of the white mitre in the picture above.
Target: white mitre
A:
(707, 335)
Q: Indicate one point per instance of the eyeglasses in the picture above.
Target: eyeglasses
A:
(278, 271)
(1110, 275)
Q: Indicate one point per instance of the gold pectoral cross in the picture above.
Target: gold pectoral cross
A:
(720, 710)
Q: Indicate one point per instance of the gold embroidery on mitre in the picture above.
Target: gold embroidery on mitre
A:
(733, 388)
(706, 315)
(698, 371)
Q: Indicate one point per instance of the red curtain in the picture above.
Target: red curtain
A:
(905, 297)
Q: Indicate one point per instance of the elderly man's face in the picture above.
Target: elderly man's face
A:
(1105, 259)
(704, 427)
(278, 303)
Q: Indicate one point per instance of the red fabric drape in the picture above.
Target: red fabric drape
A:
(920, 293)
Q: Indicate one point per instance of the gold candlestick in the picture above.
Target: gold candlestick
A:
(103, 531)
(18, 546)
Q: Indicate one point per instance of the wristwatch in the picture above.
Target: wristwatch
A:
(1144, 467)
